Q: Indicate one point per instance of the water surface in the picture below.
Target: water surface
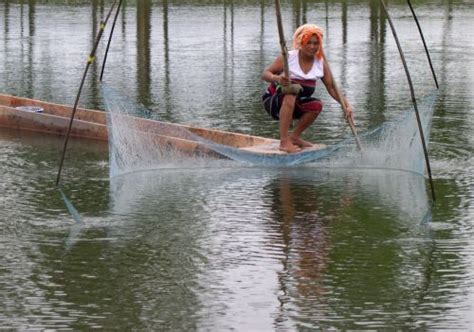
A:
(232, 246)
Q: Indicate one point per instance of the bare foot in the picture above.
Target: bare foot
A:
(289, 147)
(301, 143)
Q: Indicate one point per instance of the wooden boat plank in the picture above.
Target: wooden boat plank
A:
(148, 125)
(273, 148)
(52, 124)
(236, 140)
(55, 109)
(197, 141)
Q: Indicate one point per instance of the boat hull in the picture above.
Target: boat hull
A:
(92, 124)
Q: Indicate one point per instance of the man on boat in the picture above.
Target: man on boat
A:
(307, 65)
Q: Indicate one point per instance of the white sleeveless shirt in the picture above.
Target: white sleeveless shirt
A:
(316, 72)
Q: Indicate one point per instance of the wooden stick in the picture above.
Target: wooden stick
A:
(292, 88)
(349, 120)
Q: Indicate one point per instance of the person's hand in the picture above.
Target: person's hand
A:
(283, 80)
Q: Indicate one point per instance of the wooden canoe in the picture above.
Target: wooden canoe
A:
(21, 113)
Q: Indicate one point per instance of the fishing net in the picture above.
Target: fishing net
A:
(396, 144)
(139, 141)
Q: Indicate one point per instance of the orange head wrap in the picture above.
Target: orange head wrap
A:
(304, 33)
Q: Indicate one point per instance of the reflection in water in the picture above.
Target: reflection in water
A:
(262, 32)
(166, 57)
(446, 37)
(315, 244)
(143, 51)
(229, 65)
(300, 9)
(296, 14)
(31, 31)
(6, 17)
(326, 16)
(344, 43)
(255, 232)
(306, 243)
(97, 13)
(344, 23)
(31, 16)
(376, 71)
(245, 249)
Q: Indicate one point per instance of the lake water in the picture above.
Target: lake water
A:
(232, 246)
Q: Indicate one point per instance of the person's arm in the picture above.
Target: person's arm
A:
(274, 72)
(329, 83)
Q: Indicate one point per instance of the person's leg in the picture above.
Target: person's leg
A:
(286, 117)
(308, 109)
(305, 121)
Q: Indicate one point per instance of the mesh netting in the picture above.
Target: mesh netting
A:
(395, 144)
(137, 143)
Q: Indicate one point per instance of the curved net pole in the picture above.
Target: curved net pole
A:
(90, 60)
(422, 136)
(424, 43)
(109, 41)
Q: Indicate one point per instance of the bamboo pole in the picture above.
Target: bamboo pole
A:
(293, 89)
(424, 43)
(418, 120)
(109, 41)
(90, 60)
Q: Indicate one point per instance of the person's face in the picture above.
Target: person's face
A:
(311, 46)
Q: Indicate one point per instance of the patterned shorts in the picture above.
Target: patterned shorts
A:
(273, 99)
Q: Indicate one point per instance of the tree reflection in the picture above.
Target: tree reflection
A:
(355, 260)
(143, 51)
(229, 59)
(31, 33)
(166, 50)
(375, 101)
